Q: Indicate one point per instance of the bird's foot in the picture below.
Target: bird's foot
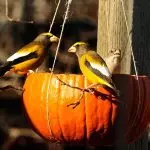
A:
(90, 90)
(29, 72)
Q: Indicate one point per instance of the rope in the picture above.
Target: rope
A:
(129, 37)
(61, 34)
(51, 25)
(54, 62)
(132, 54)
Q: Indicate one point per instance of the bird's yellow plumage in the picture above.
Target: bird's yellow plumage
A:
(91, 76)
(92, 65)
(31, 64)
(30, 56)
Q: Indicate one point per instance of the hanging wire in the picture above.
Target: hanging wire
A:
(129, 37)
(68, 3)
(54, 17)
(107, 23)
(133, 57)
(61, 34)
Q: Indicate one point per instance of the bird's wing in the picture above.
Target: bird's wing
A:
(103, 69)
(25, 51)
(98, 66)
(10, 64)
(17, 55)
(24, 58)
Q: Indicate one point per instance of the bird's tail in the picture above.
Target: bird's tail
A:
(3, 69)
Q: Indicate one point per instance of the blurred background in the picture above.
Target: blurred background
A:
(15, 130)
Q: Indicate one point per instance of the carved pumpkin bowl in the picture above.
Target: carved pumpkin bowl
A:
(99, 119)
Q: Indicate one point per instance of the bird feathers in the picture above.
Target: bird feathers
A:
(94, 74)
(26, 50)
(3, 69)
(30, 56)
(24, 58)
(93, 66)
(12, 65)
(97, 71)
(97, 63)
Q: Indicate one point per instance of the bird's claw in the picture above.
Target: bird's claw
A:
(29, 72)
(90, 90)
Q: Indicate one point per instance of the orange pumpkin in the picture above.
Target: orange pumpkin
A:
(94, 120)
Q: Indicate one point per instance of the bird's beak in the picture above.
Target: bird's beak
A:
(72, 49)
(54, 39)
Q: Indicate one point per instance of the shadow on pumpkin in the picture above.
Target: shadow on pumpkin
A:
(103, 96)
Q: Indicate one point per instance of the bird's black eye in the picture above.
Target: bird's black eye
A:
(48, 36)
(77, 46)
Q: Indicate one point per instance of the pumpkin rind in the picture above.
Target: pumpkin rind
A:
(93, 121)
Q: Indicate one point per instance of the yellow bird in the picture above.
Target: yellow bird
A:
(93, 66)
(30, 56)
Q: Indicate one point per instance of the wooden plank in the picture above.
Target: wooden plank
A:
(112, 33)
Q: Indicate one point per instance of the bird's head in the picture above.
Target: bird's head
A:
(46, 38)
(79, 48)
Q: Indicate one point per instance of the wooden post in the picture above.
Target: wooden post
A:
(112, 33)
